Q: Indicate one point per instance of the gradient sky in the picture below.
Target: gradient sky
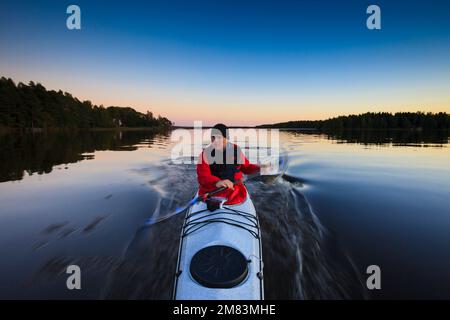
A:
(236, 62)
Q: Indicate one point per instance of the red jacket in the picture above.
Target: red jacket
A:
(207, 181)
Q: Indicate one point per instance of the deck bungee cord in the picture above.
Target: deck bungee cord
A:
(192, 225)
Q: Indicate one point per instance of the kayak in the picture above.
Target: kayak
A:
(220, 254)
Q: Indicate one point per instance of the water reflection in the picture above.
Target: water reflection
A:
(392, 137)
(39, 152)
(341, 206)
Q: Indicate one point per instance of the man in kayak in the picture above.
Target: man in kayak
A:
(222, 164)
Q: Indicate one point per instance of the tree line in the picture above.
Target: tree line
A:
(371, 120)
(33, 106)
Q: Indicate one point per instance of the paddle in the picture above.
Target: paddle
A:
(194, 200)
(282, 168)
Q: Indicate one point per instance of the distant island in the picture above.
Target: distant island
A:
(372, 121)
(33, 106)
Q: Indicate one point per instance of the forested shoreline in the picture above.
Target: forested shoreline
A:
(33, 106)
(375, 121)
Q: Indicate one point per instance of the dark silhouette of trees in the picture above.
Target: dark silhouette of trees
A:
(377, 121)
(33, 106)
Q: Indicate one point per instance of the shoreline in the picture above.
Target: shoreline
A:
(61, 129)
(4, 130)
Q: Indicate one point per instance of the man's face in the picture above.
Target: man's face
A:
(218, 141)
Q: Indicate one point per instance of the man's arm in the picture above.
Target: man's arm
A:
(247, 167)
(204, 176)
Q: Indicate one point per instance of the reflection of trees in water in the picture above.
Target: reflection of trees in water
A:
(394, 137)
(384, 137)
(40, 152)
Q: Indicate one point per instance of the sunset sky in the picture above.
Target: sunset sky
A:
(237, 62)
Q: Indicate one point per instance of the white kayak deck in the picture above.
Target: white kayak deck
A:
(236, 226)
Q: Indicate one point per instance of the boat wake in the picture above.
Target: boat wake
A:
(302, 259)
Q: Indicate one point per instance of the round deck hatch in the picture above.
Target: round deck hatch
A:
(219, 267)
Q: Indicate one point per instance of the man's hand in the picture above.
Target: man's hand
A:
(225, 183)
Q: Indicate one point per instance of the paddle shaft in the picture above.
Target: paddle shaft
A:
(208, 194)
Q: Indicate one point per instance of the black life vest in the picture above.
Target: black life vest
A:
(221, 168)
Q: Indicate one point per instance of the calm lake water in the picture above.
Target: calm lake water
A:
(347, 201)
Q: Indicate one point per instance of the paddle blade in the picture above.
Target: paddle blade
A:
(272, 172)
(178, 210)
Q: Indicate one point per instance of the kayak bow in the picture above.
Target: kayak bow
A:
(220, 254)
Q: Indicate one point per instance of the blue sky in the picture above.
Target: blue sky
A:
(240, 62)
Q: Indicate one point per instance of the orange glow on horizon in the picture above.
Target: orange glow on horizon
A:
(185, 107)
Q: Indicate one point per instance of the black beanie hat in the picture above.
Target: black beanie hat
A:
(223, 129)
